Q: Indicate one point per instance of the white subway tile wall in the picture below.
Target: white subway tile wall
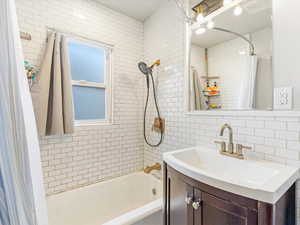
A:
(272, 138)
(92, 153)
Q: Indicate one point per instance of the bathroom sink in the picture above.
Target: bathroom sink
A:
(257, 179)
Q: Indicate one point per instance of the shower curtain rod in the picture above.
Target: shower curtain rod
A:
(79, 36)
(252, 49)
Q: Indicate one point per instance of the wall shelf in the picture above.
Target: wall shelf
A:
(210, 78)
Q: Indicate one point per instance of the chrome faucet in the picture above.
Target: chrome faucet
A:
(230, 143)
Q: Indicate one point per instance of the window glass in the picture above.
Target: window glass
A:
(89, 103)
(87, 62)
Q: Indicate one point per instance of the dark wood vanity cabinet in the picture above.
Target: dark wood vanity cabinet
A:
(190, 202)
(216, 211)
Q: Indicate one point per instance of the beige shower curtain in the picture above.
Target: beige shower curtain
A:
(52, 94)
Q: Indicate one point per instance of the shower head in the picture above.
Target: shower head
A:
(144, 68)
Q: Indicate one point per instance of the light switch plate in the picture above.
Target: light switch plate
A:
(283, 98)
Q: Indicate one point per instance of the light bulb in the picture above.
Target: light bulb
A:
(226, 2)
(200, 30)
(238, 11)
(210, 25)
(200, 18)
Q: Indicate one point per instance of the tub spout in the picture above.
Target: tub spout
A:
(156, 166)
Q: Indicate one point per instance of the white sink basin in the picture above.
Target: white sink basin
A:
(257, 179)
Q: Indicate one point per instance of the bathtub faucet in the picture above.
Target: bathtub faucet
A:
(156, 166)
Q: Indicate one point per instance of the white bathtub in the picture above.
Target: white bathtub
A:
(121, 201)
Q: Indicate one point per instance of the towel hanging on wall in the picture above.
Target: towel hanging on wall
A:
(195, 89)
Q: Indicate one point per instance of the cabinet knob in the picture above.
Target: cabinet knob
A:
(196, 205)
(188, 200)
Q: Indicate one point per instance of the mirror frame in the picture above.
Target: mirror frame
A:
(187, 50)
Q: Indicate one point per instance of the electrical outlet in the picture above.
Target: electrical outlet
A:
(283, 98)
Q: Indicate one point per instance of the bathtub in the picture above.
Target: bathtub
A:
(133, 199)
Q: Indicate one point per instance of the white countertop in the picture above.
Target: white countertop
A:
(256, 179)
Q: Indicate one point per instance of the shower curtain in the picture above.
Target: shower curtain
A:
(3, 206)
(247, 89)
(52, 95)
(22, 198)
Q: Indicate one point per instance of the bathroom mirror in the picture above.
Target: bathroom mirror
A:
(230, 55)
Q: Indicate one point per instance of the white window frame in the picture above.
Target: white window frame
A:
(107, 84)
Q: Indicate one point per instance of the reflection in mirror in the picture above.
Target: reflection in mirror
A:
(231, 55)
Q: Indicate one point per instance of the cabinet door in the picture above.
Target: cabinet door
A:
(180, 195)
(216, 211)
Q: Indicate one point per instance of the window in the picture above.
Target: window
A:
(91, 81)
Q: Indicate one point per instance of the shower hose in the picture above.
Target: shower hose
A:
(157, 110)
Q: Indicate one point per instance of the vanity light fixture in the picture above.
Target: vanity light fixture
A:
(226, 2)
(238, 10)
(200, 30)
(200, 16)
(210, 25)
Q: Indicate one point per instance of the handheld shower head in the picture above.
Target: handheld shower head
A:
(144, 68)
(147, 71)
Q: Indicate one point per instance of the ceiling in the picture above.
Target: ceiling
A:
(138, 9)
(256, 16)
